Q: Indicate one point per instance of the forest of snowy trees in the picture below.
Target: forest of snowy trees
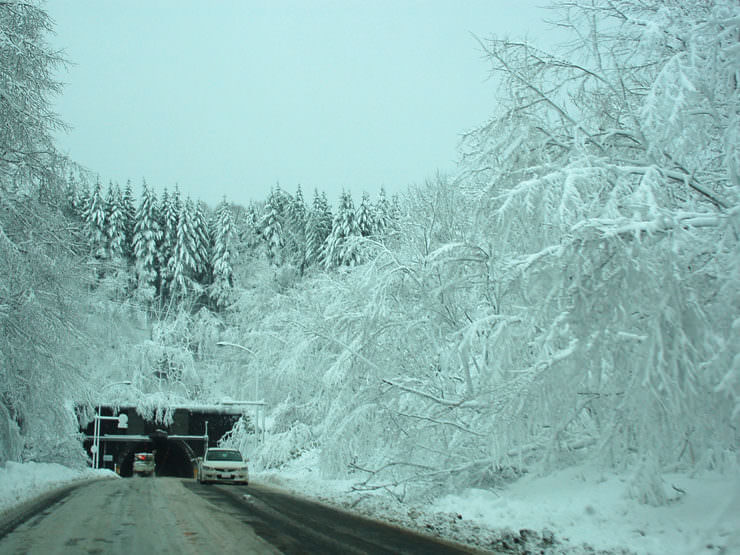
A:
(571, 294)
(177, 249)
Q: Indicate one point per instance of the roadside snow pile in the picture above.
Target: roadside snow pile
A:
(578, 510)
(584, 506)
(20, 482)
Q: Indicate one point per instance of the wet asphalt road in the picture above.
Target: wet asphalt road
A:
(175, 515)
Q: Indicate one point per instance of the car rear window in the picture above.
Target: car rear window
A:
(223, 456)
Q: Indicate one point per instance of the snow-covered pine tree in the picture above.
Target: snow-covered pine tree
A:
(382, 219)
(128, 206)
(168, 224)
(147, 235)
(365, 216)
(221, 290)
(71, 195)
(271, 225)
(246, 226)
(318, 227)
(297, 212)
(296, 229)
(115, 222)
(325, 213)
(94, 217)
(83, 198)
(340, 248)
(396, 211)
(203, 245)
(183, 265)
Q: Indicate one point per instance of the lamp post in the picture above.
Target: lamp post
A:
(96, 427)
(256, 402)
(256, 374)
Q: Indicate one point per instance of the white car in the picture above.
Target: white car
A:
(223, 465)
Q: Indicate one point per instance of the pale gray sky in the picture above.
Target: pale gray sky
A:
(229, 98)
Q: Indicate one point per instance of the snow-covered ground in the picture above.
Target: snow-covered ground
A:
(21, 482)
(576, 510)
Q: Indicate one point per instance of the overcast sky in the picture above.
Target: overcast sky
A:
(230, 98)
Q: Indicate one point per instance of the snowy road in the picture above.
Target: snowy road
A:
(173, 515)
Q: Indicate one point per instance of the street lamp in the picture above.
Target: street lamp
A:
(256, 401)
(98, 419)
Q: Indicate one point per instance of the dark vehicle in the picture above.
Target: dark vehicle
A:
(143, 464)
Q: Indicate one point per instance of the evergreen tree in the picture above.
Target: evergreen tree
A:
(114, 222)
(339, 247)
(271, 225)
(281, 201)
(71, 196)
(147, 234)
(221, 289)
(203, 245)
(246, 225)
(297, 212)
(382, 213)
(128, 206)
(94, 217)
(327, 218)
(365, 217)
(396, 209)
(168, 226)
(318, 227)
(82, 203)
(296, 228)
(183, 265)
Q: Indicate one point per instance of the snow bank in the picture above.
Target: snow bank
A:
(584, 506)
(20, 482)
(581, 509)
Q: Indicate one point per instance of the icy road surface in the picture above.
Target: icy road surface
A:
(174, 515)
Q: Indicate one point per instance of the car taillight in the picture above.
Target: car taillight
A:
(141, 457)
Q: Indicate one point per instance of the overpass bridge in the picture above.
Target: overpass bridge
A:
(193, 428)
